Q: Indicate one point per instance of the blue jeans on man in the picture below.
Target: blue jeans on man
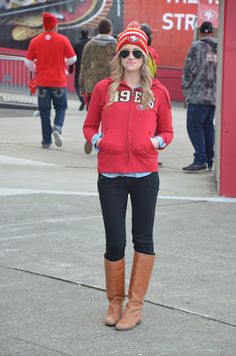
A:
(58, 97)
(200, 127)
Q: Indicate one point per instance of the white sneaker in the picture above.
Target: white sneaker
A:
(58, 138)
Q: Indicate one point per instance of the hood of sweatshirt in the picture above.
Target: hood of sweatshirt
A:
(155, 83)
(212, 42)
(103, 40)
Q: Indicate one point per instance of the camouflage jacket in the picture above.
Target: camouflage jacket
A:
(199, 77)
(95, 61)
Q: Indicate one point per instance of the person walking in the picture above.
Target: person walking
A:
(48, 55)
(95, 62)
(199, 87)
(128, 121)
(79, 47)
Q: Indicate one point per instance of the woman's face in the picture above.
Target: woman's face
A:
(131, 58)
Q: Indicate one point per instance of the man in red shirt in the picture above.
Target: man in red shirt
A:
(48, 55)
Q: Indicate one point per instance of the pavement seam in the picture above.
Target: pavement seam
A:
(182, 310)
(34, 344)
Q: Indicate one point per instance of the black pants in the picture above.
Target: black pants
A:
(113, 194)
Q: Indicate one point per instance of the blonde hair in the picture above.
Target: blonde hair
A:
(117, 73)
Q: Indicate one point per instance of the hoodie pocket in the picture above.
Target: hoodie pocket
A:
(140, 143)
(113, 142)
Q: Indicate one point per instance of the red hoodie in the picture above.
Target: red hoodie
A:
(127, 127)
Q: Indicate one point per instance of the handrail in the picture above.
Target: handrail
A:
(14, 82)
(11, 57)
(172, 68)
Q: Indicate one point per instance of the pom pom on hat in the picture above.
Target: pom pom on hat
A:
(49, 21)
(133, 24)
(133, 36)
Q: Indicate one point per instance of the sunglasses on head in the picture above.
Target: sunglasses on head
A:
(136, 53)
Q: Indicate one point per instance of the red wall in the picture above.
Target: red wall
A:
(172, 79)
(174, 24)
(228, 117)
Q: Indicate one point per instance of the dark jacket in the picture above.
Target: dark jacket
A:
(199, 77)
(78, 48)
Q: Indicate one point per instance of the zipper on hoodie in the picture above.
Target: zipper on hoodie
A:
(128, 131)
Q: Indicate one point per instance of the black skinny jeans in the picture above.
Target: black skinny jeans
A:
(113, 194)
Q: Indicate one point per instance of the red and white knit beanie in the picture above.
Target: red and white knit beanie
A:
(133, 36)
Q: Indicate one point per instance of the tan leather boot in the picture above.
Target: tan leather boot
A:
(115, 287)
(140, 276)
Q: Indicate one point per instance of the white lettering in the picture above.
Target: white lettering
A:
(137, 97)
(125, 95)
(189, 21)
(210, 2)
(180, 21)
(185, 1)
(151, 103)
(166, 19)
(213, 1)
(116, 97)
(211, 57)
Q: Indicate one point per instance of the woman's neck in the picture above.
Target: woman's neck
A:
(133, 79)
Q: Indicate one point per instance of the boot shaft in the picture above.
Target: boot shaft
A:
(140, 277)
(115, 288)
(115, 279)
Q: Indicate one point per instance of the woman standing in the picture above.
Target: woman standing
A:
(133, 113)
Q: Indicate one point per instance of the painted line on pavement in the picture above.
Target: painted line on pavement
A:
(13, 161)
(16, 191)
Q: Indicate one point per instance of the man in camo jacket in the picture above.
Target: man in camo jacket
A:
(95, 62)
(199, 87)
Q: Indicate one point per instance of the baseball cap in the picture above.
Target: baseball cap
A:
(147, 28)
(206, 27)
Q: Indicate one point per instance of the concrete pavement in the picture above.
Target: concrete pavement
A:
(52, 298)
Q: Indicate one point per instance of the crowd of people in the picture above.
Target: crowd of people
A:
(128, 122)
